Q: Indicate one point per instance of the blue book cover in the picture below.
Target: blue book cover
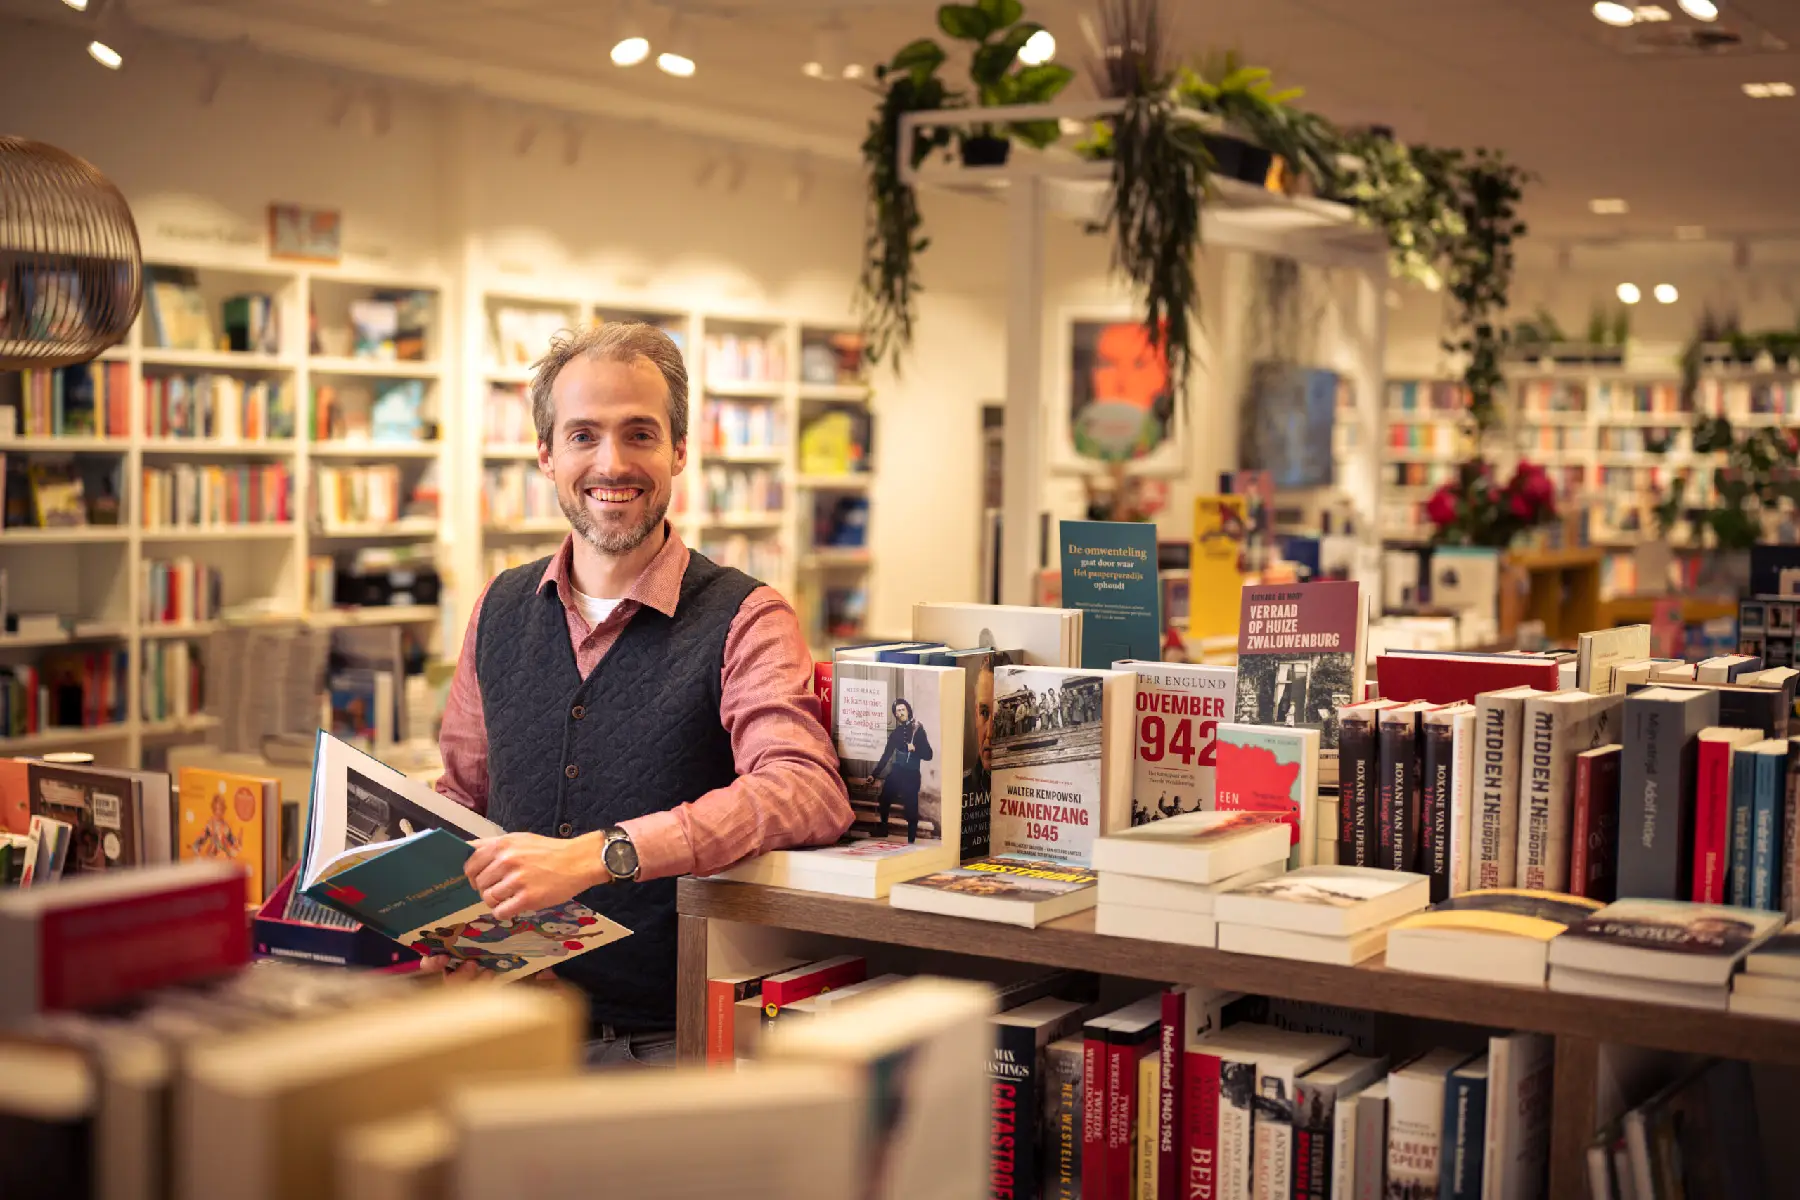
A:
(1464, 1147)
(1765, 824)
(1109, 574)
(413, 890)
(1743, 804)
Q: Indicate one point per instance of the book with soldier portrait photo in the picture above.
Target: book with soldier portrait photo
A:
(1300, 659)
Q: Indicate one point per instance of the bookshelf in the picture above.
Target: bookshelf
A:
(723, 926)
(745, 498)
(96, 574)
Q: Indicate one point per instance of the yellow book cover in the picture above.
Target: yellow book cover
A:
(1519, 912)
(1216, 570)
(222, 815)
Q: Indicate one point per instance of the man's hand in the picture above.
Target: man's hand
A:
(523, 872)
(449, 968)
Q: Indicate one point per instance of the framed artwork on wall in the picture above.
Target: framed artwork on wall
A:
(300, 234)
(1113, 401)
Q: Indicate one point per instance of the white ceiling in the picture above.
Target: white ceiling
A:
(1673, 134)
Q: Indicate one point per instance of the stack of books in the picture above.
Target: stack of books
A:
(1161, 881)
(1770, 983)
(1663, 950)
(1496, 935)
(1335, 915)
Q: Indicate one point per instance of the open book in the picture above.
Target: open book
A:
(387, 851)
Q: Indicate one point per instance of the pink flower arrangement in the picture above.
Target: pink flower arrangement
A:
(1474, 510)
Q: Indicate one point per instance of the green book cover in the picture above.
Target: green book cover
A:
(1109, 573)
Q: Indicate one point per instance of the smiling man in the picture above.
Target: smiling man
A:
(627, 709)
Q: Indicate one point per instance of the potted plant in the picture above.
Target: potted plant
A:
(1255, 122)
(1475, 509)
(1783, 346)
(997, 33)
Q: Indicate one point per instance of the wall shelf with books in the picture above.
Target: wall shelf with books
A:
(374, 451)
(65, 445)
(213, 448)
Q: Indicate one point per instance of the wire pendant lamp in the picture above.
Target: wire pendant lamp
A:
(71, 269)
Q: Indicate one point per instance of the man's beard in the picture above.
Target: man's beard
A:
(614, 540)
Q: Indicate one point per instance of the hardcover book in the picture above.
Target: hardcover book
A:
(1109, 575)
(1594, 838)
(1359, 789)
(1277, 1112)
(1216, 566)
(1062, 759)
(1597, 653)
(1516, 1163)
(1666, 940)
(1178, 711)
(1656, 789)
(1316, 1111)
(1397, 832)
(1012, 890)
(899, 737)
(1446, 737)
(1557, 728)
(1273, 770)
(1062, 1114)
(1465, 1132)
(1449, 677)
(1416, 1122)
(1499, 734)
(978, 722)
(233, 817)
(1300, 658)
(1019, 1086)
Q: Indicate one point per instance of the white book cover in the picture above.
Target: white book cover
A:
(1343, 1146)
(1462, 801)
(898, 731)
(1599, 652)
(1061, 748)
(1345, 950)
(1175, 896)
(1276, 1107)
(1332, 901)
(1155, 925)
(1557, 727)
(1516, 1164)
(1416, 1122)
(1177, 714)
(1050, 637)
(1202, 847)
(1266, 768)
(1320, 1098)
(1499, 739)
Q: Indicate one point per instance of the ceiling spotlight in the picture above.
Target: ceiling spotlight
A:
(678, 65)
(1610, 206)
(630, 51)
(1629, 293)
(814, 69)
(1665, 293)
(678, 59)
(1038, 49)
(1613, 13)
(1700, 10)
(1650, 14)
(1781, 90)
(105, 55)
(853, 70)
(77, 5)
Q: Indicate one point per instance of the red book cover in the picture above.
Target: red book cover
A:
(1594, 825)
(1094, 1096)
(809, 981)
(1169, 1127)
(84, 944)
(1712, 821)
(1200, 1118)
(1121, 1110)
(1451, 679)
(822, 689)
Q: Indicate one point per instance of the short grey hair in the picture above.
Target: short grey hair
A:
(615, 341)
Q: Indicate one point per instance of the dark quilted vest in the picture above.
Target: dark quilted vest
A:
(647, 738)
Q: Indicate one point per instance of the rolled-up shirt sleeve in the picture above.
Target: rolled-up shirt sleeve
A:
(788, 791)
(462, 736)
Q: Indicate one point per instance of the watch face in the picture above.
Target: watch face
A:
(621, 858)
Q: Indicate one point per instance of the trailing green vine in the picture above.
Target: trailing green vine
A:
(1479, 273)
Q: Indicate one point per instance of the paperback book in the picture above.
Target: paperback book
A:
(1178, 711)
(1558, 727)
(899, 738)
(1015, 891)
(1264, 769)
(1664, 940)
(1061, 750)
(1300, 658)
(1500, 935)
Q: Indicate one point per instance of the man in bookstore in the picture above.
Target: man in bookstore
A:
(628, 710)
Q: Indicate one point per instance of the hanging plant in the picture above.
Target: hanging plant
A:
(1479, 273)
(1160, 169)
(998, 32)
(887, 291)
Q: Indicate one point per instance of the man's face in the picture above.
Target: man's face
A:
(611, 454)
(984, 717)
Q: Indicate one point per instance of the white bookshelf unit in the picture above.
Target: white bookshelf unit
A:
(96, 575)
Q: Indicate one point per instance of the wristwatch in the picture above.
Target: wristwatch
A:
(619, 856)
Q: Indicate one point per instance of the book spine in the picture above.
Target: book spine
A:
(1790, 838)
(1170, 1093)
(721, 996)
(1497, 790)
(1398, 749)
(1440, 766)
(1200, 1133)
(1465, 1113)
(1121, 1118)
(1415, 1133)
(1743, 811)
(1581, 825)
(1062, 1166)
(1371, 1148)
(1358, 796)
(1343, 1150)
(1712, 821)
(1013, 1163)
(1237, 1088)
(1272, 1136)
(1315, 1117)
(1094, 1100)
(1149, 1127)
(1462, 790)
(1770, 789)
(1537, 785)
(1645, 842)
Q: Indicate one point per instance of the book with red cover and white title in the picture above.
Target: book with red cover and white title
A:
(1594, 838)
(97, 939)
(1712, 808)
(810, 980)
(1300, 659)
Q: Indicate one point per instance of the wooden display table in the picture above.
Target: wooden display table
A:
(718, 919)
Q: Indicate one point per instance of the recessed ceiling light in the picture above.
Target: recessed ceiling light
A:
(77, 5)
(1769, 91)
(853, 70)
(1700, 10)
(629, 52)
(1651, 13)
(814, 69)
(1038, 49)
(1614, 13)
(1629, 293)
(1608, 206)
(678, 65)
(1690, 233)
(105, 55)
(1665, 293)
